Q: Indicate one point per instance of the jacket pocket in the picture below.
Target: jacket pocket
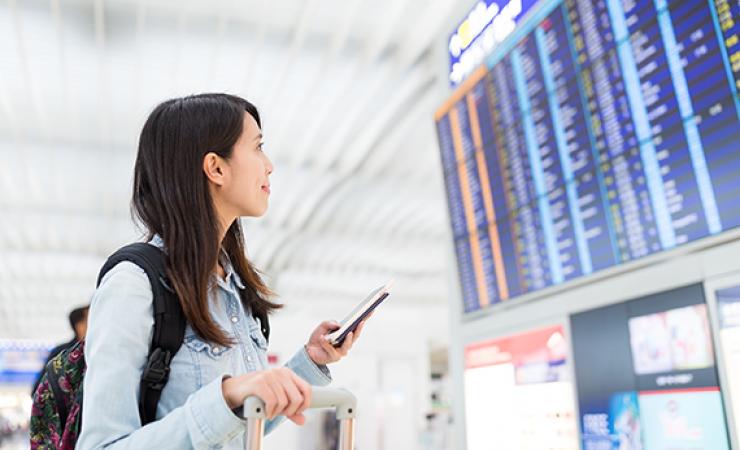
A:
(213, 351)
(209, 360)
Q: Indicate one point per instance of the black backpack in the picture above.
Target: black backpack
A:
(56, 417)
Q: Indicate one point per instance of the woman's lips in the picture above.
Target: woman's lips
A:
(266, 189)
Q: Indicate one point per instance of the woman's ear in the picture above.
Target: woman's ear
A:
(213, 167)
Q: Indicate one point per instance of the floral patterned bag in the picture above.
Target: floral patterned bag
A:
(57, 403)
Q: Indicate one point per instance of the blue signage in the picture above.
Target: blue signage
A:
(21, 361)
(487, 24)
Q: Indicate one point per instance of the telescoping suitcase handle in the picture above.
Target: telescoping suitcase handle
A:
(343, 401)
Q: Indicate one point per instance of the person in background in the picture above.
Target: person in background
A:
(78, 322)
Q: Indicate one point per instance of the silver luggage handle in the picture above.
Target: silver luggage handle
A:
(342, 400)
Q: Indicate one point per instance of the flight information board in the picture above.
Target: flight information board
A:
(600, 132)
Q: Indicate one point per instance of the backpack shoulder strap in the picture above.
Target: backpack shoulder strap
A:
(169, 322)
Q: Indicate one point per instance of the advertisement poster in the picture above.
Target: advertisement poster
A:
(678, 339)
(683, 420)
(728, 305)
(518, 395)
(657, 387)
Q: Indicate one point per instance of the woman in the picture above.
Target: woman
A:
(200, 166)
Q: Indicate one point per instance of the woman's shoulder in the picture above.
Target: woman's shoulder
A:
(125, 281)
(122, 301)
(124, 272)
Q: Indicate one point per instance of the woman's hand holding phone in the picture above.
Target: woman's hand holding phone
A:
(320, 349)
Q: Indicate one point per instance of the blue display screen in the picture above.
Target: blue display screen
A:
(599, 133)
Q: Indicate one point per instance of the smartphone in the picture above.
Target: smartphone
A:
(361, 311)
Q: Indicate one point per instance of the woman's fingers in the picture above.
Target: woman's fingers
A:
(329, 325)
(336, 353)
(326, 327)
(293, 393)
(305, 390)
(347, 344)
(330, 349)
(265, 392)
(359, 329)
(284, 393)
(280, 398)
(298, 419)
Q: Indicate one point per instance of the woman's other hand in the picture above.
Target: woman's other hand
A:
(283, 392)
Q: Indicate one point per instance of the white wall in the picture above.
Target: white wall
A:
(694, 263)
(387, 369)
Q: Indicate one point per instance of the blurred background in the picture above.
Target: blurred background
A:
(552, 185)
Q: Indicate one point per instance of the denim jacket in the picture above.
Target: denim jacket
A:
(192, 412)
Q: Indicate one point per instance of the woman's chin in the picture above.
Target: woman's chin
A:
(255, 212)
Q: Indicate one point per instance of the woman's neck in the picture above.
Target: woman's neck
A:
(220, 271)
(225, 224)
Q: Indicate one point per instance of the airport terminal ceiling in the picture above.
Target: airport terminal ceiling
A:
(345, 89)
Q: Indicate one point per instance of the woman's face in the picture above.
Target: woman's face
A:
(246, 187)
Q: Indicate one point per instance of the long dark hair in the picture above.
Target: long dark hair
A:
(171, 198)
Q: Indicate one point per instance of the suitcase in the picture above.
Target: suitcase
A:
(341, 400)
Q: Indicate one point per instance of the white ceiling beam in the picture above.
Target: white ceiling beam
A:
(217, 43)
(414, 85)
(103, 98)
(423, 36)
(429, 30)
(8, 112)
(33, 264)
(410, 53)
(410, 86)
(65, 232)
(38, 106)
(276, 92)
(103, 112)
(397, 138)
(182, 24)
(253, 59)
(325, 216)
(63, 75)
(413, 107)
(141, 19)
(328, 58)
(379, 210)
(305, 189)
(375, 45)
(403, 255)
